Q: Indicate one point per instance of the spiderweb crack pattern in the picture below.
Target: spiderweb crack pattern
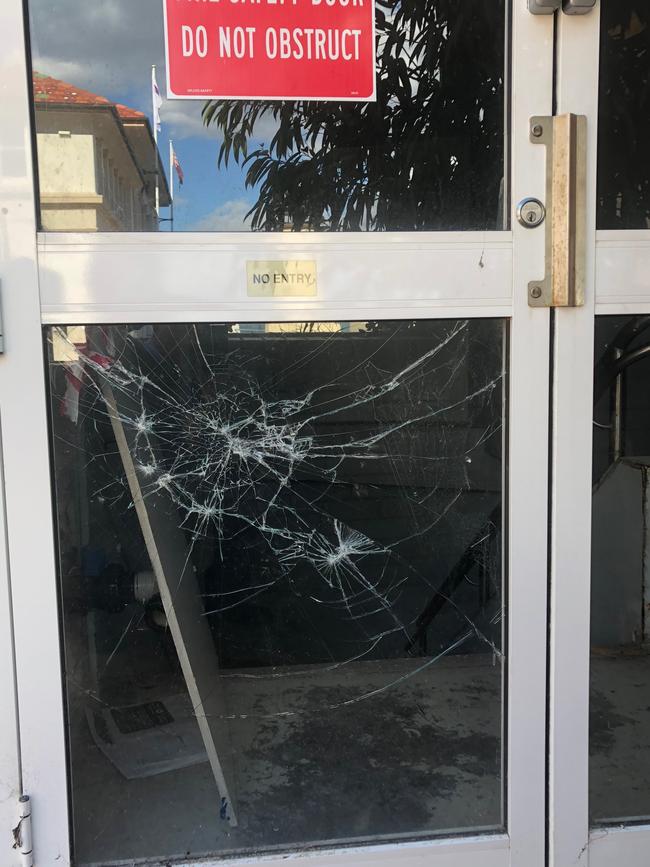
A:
(245, 452)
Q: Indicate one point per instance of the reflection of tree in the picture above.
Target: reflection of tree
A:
(624, 116)
(428, 154)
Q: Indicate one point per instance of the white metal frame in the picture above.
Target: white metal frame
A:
(26, 571)
(76, 279)
(622, 268)
(10, 776)
(618, 264)
(577, 92)
(188, 276)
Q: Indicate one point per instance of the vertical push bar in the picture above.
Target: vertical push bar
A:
(565, 137)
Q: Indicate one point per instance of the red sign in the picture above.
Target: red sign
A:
(270, 49)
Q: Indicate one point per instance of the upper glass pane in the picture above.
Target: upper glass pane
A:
(428, 154)
(624, 116)
(281, 566)
(619, 767)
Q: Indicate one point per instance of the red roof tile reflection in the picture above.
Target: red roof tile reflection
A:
(51, 90)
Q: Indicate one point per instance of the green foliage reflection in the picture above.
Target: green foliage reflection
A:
(427, 155)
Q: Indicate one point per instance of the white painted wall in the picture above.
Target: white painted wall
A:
(88, 177)
(66, 163)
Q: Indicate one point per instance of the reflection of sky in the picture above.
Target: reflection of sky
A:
(108, 47)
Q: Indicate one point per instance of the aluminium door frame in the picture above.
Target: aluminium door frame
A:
(60, 279)
(572, 401)
(618, 264)
(10, 776)
(28, 561)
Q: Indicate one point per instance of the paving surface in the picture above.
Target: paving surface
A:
(365, 751)
(620, 738)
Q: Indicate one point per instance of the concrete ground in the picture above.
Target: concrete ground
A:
(620, 737)
(367, 751)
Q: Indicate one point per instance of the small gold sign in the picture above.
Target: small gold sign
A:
(281, 278)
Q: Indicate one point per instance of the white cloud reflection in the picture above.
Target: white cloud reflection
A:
(228, 217)
(108, 48)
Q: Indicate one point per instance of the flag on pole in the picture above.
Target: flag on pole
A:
(177, 166)
(156, 99)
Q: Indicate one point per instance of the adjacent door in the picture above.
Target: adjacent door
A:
(600, 677)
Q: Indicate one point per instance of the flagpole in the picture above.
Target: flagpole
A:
(155, 135)
(171, 180)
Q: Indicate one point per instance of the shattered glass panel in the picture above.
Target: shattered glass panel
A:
(429, 154)
(619, 766)
(281, 564)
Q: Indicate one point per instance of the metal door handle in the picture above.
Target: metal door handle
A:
(565, 137)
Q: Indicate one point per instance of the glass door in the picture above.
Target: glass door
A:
(297, 412)
(600, 679)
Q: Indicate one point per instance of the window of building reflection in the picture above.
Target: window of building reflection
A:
(97, 162)
(281, 565)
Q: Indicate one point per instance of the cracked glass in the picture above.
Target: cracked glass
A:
(429, 154)
(281, 569)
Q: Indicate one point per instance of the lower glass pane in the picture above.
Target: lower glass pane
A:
(620, 574)
(281, 565)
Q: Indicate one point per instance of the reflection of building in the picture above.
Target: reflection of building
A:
(96, 162)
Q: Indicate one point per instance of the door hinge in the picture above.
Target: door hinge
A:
(22, 833)
(570, 7)
(565, 137)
